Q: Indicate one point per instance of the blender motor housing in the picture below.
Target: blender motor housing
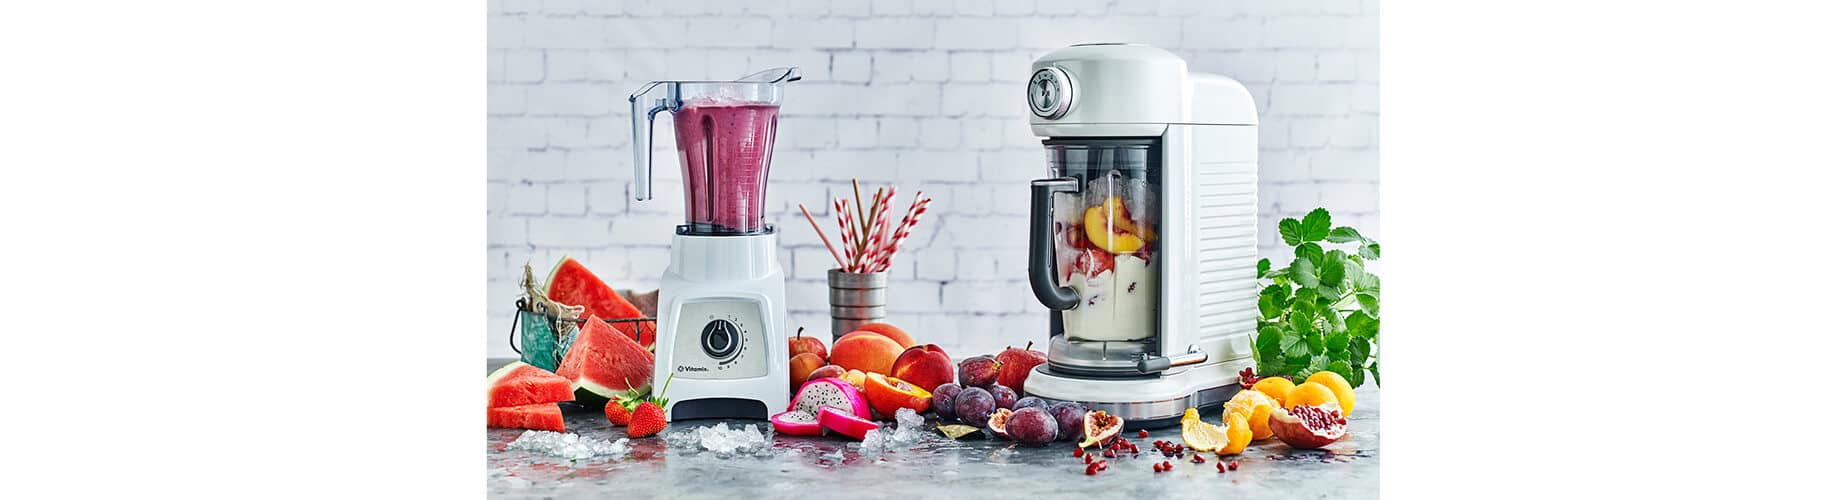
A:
(1203, 129)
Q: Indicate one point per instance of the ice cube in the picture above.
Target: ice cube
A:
(721, 440)
(569, 445)
(874, 442)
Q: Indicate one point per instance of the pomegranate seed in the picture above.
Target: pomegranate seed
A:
(1156, 467)
(1092, 469)
(1110, 454)
(1200, 460)
(1079, 452)
(1233, 466)
(1102, 465)
(1143, 434)
(1089, 459)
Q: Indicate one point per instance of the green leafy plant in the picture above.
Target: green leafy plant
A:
(1322, 311)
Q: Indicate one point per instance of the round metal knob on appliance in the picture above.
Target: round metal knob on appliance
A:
(1051, 93)
(720, 339)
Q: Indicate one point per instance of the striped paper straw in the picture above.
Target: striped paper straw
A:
(880, 236)
(920, 206)
(845, 234)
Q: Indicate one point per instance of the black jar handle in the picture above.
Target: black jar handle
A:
(1042, 270)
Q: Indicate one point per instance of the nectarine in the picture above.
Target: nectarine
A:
(871, 353)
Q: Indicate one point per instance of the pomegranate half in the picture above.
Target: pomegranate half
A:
(1307, 426)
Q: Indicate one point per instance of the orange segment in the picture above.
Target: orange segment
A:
(1256, 407)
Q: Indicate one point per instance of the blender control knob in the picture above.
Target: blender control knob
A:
(1051, 92)
(720, 339)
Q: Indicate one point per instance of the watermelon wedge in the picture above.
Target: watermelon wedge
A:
(518, 383)
(571, 284)
(604, 363)
(543, 416)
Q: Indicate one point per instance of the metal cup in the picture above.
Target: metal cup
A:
(856, 299)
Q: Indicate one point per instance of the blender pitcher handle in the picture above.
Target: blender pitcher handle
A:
(641, 123)
(1042, 270)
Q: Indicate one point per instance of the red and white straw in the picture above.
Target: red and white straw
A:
(845, 233)
(920, 206)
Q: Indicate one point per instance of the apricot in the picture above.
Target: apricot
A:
(1122, 219)
(1309, 394)
(1343, 391)
(1109, 238)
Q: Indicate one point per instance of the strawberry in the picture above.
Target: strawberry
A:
(617, 410)
(648, 419)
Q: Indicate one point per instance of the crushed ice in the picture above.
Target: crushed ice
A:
(569, 445)
(910, 427)
(721, 440)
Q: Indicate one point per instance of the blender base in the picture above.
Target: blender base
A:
(720, 334)
(1144, 402)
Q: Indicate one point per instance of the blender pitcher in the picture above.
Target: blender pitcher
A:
(725, 131)
(1094, 238)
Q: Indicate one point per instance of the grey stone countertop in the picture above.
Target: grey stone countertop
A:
(835, 467)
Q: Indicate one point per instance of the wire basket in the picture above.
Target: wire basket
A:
(545, 338)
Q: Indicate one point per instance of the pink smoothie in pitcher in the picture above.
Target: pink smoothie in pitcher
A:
(724, 154)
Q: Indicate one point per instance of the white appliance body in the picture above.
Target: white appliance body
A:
(720, 328)
(1207, 127)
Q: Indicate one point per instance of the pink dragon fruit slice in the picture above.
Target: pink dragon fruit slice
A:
(802, 417)
(846, 423)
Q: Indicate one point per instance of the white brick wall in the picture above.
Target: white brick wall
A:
(926, 93)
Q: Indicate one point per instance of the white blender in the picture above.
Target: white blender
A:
(720, 334)
(1143, 242)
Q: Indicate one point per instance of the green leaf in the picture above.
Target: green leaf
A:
(1304, 273)
(1332, 272)
(1370, 251)
(1317, 344)
(1359, 324)
(1358, 350)
(1302, 322)
(1293, 346)
(1270, 339)
(1316, 363)
(1369, 303)
(1338, 342)
(1339, 367)
(1328, 294)
(1291, 230)
(1268, 306)
(1375, 371)
(1355, 375)
(1310, 252)
(1344, 234)
(1264, 266)
(1315, 225)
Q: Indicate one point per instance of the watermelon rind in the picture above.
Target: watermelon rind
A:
(593, 393)
(503, 372)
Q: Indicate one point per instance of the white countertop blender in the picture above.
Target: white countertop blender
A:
(720, 333)
(1143, 241)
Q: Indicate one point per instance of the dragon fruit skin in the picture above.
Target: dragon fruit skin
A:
(802, 417)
